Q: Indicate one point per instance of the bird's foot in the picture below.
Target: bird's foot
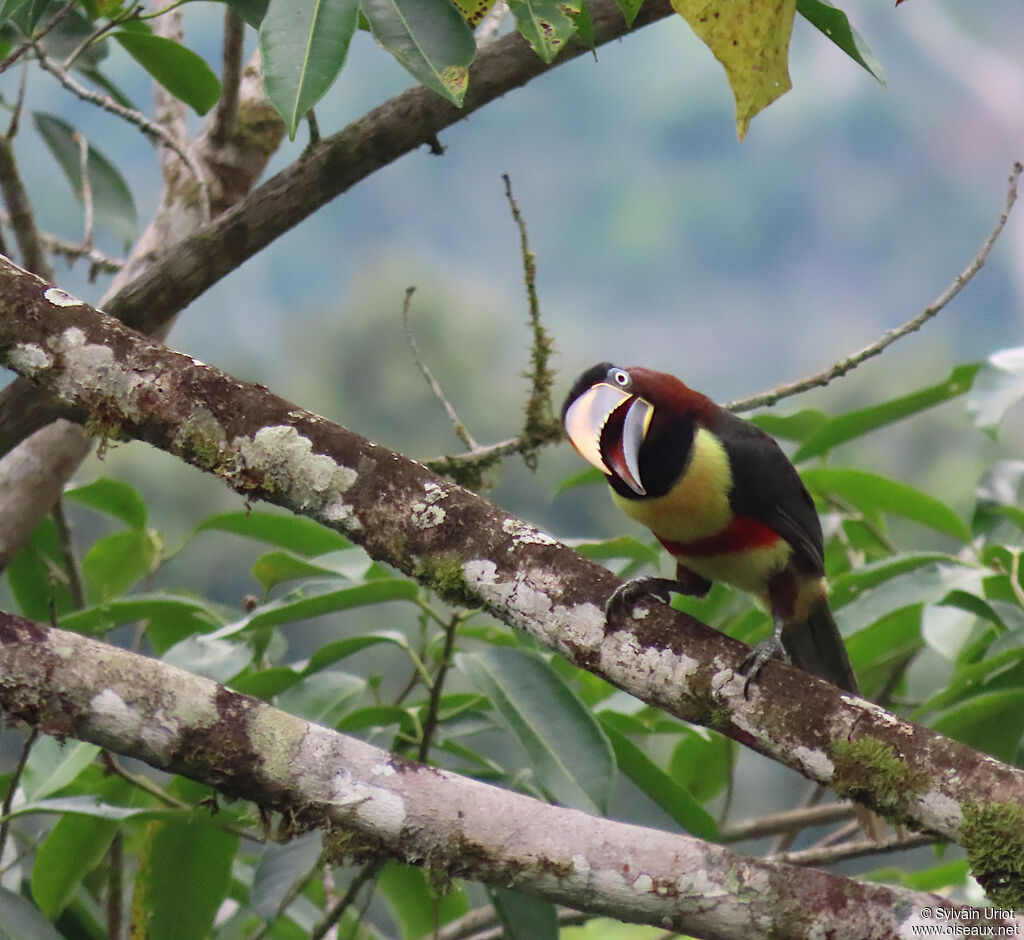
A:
(755, 660)
(628, 594)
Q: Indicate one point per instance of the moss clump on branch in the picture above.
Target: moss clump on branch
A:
(992, 834)
(870, 771)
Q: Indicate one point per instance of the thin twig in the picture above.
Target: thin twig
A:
(135, 118)
(23, 47)
(539, 409)
(74, 581)
(19, 106)
(12, 788)
(851, 362)
(230, 78)
(1015, 585)
(100, 31)
(786, 821)
(436, 691)
(22, 218)
(115, 887)
(832, 855)
(368, 873)
(457, 423)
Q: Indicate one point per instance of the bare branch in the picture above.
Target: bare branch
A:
(864, 848)
(461, 430)
(915, 323)
(788, 821)
(20, 214)
(231, 78)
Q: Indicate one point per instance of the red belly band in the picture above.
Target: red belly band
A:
(740, 535)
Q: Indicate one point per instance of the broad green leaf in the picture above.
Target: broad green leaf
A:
(571, 756)
(674, 799)
(9, 7)
(992, 722)
(318, 602)
(52, 766)
(279, 869)
(114, 497)
(37, 576)
(74, 847)
(928, 584)
(625, 546)
(20, 919)
(629, 8)
(293, 533)
(377, 717)
(835, 24)
(887, 644)
(251, 11)
(473, 11)
(751, 40)
(414, 900)
(183, 879)
(850, 586)
(94, 808)
(1000, 497)
(998, 386)
(429, 38)
(220, 660)
(304, 45)
(871, 492)
(324, 697)
(523, 917)
(164, 613)
(702, 762)
(856, 424)
(175, 67)
(795, 427)
(946, 629)
(114, 563)
(275, 568)
(113, 206)
(587, 477)
(547, 25)
(330, 653)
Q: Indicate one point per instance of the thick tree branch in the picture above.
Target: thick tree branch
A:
(181, 272)
(473, 553)
(70, 685)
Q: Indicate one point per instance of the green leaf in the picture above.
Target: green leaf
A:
(473, 11)
(114, 497)
(279, 870)
(570, 753)
(848, 587)
(20, 919)
(835, 24)
(674, 799)
(324, 698)
(889, 642)
(523, 917)
(169, 618)
(74, 847)
(53, 766)
(183, 879)
(293, 533)
(251, 11)
(414, 900)
(998, 387)
(429, 38)
(946, 629)
(992, 722)
(37, 575)
(855, 424)
(547, 25)
(702, 762)
(323, 602)
(304, 45)
(220, 660)
(870, 492)
(927, 584)
(9, 7)
(277, 567)
(795, 427)
(629, 9)
(113, 205)
(587, 477)
(176, 68)
(625, 546)
(114, 563)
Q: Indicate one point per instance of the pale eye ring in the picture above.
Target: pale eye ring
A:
(621, 378)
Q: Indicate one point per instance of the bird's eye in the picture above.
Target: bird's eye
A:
(620, 378)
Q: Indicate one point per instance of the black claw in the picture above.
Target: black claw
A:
(627, 595)
(755, 660)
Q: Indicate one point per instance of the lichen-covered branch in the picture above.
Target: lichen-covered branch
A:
(376, 804)
(473, 553)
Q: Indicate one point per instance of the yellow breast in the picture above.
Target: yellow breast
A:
(697, 505)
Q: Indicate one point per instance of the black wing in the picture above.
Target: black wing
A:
(767, 487)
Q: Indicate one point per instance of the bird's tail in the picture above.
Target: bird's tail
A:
(815, 645)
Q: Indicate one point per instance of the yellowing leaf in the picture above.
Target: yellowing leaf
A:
(751, 40)
(473, 11)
